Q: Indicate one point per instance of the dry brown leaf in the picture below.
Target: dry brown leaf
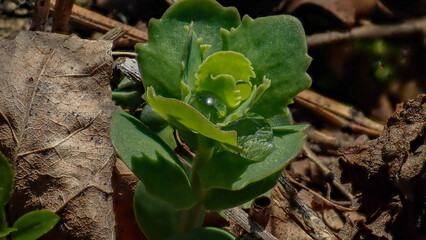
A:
(54, 126)
(389, 172)
(343, 10)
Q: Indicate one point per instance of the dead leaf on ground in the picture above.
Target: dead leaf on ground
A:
(54, 126)
(343, 10)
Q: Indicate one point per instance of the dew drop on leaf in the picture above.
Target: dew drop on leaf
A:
(254, 135)
(209, 104)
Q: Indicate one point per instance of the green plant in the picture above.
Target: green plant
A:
(30, 226)
(224, 85)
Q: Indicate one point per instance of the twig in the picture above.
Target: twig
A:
(325, 139)
(61, 15)
(113, 34)
(124, 54)
(40, 16)
(102, 23)
(338, 113)
(325, 200)
(327, 172)
(243, 219)
(182, 148)
(305, 216)
(368, 31)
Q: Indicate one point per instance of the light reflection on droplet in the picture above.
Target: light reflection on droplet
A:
(210, 105)
(209, 101)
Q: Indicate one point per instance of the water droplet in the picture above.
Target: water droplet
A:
(209, 104)
(254, 135)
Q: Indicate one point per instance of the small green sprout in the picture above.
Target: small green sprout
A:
(224, 84)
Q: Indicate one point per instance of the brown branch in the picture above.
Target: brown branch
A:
(302, 213)
(102, 23)
(327, 172)
(368, 31)
(338, 113)
(113, 34)
(244, 220)
(320, 197)
(41, 14)
(118, 54)
(61, 15)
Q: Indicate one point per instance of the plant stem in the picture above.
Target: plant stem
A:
(193, 217)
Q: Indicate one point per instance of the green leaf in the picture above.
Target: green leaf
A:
(157, 124)
(232, 172)
(34, 224)
(6, 231)
(156, 218)
(225, 62)
(126, 83)
(166, 134)
(204, 233)
(255, 136)
(160, 58)
(209, 104)
(192, 58)
(182, 115)
(219, 199)
(147, 155)
(6, 181)
(128, 98)
(255, 95)
(216, 175)
(281, 119)
(152, 119)
(219, 74)
(276, 47)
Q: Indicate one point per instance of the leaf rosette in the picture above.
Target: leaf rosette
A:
(208, 73)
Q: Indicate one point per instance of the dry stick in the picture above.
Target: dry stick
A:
(307, 217)
(317, 195)
(41, 14)
(243, 219)
(325, 139)
(368, 31)
(124, 54)
(61, 15)
(338, 113)
(102, 23)
(327, 172)
(113, 34)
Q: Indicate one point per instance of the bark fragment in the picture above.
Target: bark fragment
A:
(390, 172)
